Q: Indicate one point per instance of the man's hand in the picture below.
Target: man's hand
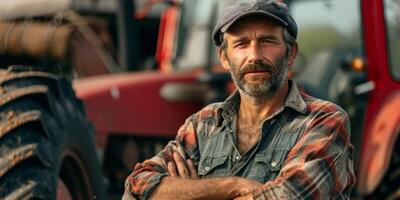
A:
(244, 187)
(181, 168)
(183, 183)
(239, 188)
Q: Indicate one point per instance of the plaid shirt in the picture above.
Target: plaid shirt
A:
(304, 151)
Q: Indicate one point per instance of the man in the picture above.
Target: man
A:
(267, 140)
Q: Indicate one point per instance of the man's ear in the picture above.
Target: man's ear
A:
(222, 58)
(293, 54)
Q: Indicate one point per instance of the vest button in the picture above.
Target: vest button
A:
(207, 168)
(274, 164)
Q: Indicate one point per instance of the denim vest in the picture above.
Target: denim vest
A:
(220, 157)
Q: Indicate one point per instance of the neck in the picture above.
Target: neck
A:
(255, 109)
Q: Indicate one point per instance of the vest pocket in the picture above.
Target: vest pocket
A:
(278, 157)
(212, 166)
(260, 170)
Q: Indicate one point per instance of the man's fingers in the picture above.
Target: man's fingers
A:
(192, 169)
(181, 166)
(244, 187)
(172, 169)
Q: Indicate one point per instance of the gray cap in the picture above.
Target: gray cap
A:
(268, 8)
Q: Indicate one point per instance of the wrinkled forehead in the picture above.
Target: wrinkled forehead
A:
(253, 24)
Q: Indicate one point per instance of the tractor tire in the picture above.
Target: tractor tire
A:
(44, 139)
(389, 188)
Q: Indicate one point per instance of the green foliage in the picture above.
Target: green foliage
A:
(313, 39)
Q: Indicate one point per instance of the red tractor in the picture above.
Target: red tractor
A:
(350, 49)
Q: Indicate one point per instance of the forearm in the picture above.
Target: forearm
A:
(212, 188)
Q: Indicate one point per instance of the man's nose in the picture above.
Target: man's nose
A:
(255, 53)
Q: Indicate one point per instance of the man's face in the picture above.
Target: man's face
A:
(256, 56)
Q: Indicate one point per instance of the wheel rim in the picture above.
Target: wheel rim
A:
(75, 176)
(62, 191)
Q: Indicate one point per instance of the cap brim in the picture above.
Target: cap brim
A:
(245, 14)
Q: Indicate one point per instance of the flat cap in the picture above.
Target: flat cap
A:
(267, 8)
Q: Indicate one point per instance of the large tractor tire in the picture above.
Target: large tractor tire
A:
(45, 141)
(389, 188)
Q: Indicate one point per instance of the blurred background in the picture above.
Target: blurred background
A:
(91, 87)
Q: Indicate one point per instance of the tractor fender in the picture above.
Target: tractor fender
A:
(133, 103)
(378, 144)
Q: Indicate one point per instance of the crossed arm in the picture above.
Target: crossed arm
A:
(183, 178)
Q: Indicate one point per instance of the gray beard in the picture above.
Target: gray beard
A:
(267, 88)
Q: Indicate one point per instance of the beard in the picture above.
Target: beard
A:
(265, 88)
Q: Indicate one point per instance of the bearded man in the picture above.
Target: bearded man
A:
(267, 140)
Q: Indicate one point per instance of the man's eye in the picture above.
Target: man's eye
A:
(239, 44)
(267, 41)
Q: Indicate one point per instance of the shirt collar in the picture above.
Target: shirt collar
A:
(231, 105)
(293, 100)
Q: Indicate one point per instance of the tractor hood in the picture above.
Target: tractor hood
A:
(139, 103)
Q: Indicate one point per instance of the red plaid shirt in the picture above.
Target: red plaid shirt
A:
(318, 165)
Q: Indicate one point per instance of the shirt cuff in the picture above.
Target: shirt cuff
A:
(155, 181)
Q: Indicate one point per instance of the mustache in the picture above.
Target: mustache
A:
(255, 67)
